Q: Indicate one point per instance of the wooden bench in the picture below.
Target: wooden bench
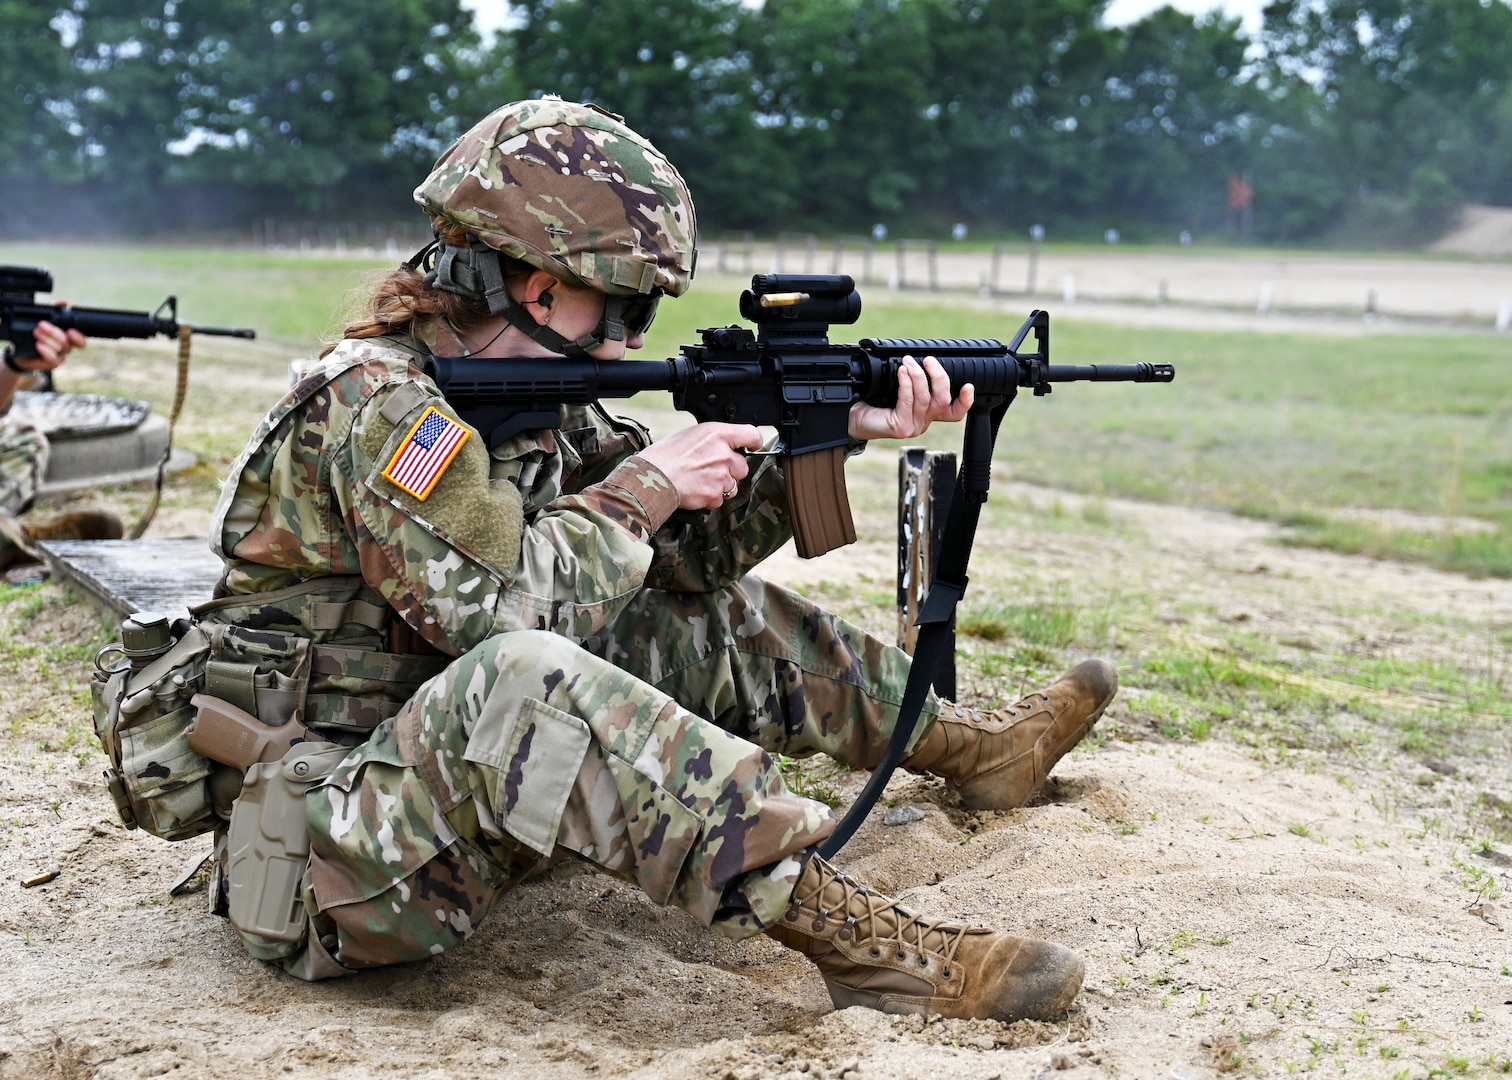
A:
(120, 577)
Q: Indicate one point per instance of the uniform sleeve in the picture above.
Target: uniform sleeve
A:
(450, 548)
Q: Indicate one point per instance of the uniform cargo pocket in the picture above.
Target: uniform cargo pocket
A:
(535, 761)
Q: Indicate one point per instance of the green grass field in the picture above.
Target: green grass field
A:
(1296, 429)
(1288, 427)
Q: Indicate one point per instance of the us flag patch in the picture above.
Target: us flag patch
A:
(425, 453)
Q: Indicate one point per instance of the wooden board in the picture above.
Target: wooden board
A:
(124, 576)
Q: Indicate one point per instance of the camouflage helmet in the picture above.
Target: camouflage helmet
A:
(569, 189)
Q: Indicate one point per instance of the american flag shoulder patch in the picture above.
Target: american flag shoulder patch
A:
(425, 453)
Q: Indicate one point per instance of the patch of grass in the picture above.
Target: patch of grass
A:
(1175, 717)
(812, 778)
(1095, 512)
(1476, 554)
(23, 602)
(1331, 436)
(1052, 623)
(1201, 675)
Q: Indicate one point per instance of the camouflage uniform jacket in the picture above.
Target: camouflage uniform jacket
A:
(554, 530)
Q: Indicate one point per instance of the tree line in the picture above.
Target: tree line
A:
(122, 117)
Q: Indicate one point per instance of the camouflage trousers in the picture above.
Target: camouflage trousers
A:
(23, 462)
(647, 751)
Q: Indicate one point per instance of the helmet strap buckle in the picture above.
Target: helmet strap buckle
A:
(486, 263)
(613, 324)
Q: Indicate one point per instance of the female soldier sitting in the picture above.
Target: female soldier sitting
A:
(615, 683)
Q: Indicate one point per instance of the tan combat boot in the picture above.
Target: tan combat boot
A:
(77, 525)
(18, 541)
(873, 952)
(999, 760)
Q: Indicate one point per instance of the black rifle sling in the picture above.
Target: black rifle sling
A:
(945, 591)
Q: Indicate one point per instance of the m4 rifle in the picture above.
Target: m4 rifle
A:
(20, 312)
(787, 375)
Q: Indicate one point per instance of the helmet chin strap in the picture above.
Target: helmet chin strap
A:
(477, 272)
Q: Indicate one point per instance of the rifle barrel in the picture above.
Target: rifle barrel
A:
(1110, 372)
(223, 331)
(116, 323)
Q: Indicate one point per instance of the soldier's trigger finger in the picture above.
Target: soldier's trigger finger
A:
(745, 437)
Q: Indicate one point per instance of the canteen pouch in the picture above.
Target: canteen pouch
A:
(142, 716)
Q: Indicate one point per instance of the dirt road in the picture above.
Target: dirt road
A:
(1449, 287)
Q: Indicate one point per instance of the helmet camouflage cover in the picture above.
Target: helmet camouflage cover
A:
(572, 190)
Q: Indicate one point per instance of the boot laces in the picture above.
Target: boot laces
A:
(884, 922)
(1021, 708)
(1024, 706)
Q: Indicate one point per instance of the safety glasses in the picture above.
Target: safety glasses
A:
(638, 312)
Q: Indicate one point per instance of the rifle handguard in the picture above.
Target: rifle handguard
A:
(818, 504)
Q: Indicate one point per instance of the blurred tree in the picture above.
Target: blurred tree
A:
(820, 114)
(1175, 118)
(1014, 81)
(318, 103)
(841, 87)
(1393, 96)
(1499, 154)
(33, 69)
(674, 69)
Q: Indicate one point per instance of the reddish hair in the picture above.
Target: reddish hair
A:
(401, 301)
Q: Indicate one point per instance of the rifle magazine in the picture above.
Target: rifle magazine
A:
(818, 504)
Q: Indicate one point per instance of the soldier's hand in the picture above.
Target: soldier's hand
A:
(923, 397)
(53, 346)
(704, 461)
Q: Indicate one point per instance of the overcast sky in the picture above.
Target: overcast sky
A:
(491, 14)
(1121, 12)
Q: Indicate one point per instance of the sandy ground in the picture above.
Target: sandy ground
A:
(1234, 909)
(1240, 910)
